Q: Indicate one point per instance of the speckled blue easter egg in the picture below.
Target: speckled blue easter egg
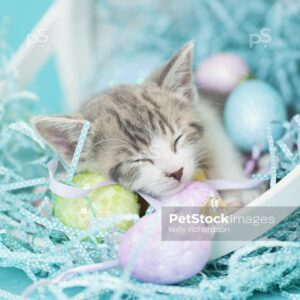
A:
(249, 110)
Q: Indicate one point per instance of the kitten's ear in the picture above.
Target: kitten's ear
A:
(176, 75)
(61, 132)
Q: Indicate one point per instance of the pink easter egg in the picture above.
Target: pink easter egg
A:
(221, 73)
(166, 262)
(161, 262)
(194, 194)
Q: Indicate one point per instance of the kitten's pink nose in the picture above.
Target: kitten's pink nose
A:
(177, 175)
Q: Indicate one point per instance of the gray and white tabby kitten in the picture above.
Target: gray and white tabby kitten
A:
(151, 136)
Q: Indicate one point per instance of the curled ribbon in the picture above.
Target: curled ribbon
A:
(68, 191)
(251, 164)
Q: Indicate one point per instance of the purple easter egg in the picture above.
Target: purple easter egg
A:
(167, 262)
(194, 194)
(221, 73)
(161, 262)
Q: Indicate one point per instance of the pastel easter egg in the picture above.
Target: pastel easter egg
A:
(157, 261)
(105, 202)
(249, 110)
(194, 194)
(167, 262)
(221, 73)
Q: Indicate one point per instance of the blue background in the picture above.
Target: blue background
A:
(17, 18)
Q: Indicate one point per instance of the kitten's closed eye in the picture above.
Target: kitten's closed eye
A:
(176, 142)
(143, 160)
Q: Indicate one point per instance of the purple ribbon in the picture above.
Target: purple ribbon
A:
(253, 161)
(68, 274)
(228, 185)
(296, 123)
(68, 191)
(72, 192)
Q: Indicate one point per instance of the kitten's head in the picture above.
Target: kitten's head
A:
(147, 137)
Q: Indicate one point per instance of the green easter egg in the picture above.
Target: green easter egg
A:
(105, 202)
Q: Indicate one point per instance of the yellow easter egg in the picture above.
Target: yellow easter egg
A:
(103, 202)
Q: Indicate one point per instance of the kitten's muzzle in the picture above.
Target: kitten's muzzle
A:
(176, 175)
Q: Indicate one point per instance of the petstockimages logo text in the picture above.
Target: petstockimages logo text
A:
(199, 219)
(196, 223)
